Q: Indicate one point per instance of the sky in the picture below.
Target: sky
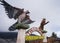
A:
(39, 9)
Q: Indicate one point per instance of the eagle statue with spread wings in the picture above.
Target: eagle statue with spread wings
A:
(13, 12)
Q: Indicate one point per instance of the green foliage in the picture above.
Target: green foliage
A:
(22, 26)
(54, 35)
(44, 31)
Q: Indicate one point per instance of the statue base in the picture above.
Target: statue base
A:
(21, 36)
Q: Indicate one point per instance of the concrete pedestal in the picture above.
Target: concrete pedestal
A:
(21, 36)
(45, 39)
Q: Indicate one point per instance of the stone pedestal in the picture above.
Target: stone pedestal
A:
(45, 39)
(21, 36)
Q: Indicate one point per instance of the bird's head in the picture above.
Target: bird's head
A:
(27, 12)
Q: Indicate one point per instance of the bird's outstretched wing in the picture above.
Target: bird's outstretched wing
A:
(12, 28)
(11, 11)
(27, 21)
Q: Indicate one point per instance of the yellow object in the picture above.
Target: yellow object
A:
(29, 38)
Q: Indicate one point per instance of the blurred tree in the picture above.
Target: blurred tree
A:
(54, 35)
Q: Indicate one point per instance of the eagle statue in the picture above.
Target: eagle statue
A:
(13, 12)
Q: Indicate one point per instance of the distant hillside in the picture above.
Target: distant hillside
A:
(8, 35)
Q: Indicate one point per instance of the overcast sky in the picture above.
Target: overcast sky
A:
(49, 9)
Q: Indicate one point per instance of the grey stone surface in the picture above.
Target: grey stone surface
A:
(7, 40)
